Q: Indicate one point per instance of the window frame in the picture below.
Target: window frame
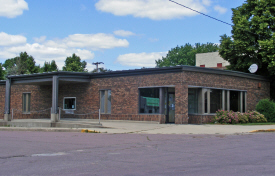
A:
(105, 101)
(225, 106)
(24, 110)
(64, 103)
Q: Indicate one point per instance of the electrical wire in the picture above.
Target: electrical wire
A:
(212, 17)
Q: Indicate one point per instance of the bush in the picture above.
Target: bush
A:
(267, 108)
(231, 117)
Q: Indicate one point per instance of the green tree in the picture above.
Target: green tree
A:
(74, 64)
(252, 39)
(49, 66)
(185, 55)
(23, 64)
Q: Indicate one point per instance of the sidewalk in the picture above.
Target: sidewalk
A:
(120, 126)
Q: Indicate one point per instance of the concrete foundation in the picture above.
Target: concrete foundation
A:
(7, 117)
(54, 117)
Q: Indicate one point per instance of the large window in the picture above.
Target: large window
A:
(69, 103)
(215, 100)
(208, 101)
(105, 101)
(149, 100)
(26, 102)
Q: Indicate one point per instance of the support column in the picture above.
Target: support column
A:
(54, 113)
(7, 115)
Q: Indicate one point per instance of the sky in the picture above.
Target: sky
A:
(123, 34)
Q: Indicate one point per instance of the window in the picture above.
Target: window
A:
(69, 103)
(219, 65)
(105, 101)
(216, 100)
(26, 102)
(202, 65)
(149, 100)
(208, 101)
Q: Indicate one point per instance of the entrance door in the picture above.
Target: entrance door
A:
(171, 107)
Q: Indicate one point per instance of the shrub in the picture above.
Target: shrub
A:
(231, 117)
(267, 108)
(255, 117)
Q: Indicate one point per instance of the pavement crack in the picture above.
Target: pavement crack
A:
(15, 156)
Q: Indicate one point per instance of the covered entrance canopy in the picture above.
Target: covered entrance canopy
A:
(53, 78)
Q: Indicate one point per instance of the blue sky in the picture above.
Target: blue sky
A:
(124, 34)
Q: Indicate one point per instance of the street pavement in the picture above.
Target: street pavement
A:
(26, 153)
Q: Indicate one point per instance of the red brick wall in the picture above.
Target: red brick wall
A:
(125, 95)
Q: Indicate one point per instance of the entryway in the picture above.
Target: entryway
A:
(170, 104)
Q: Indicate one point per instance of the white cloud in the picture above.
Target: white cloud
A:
(12, 8)
(47, 50)
(220, 9)
(140, 59)
(7, 40)
(43, 53)
(153, 9)
(123, 33)
(89, 41)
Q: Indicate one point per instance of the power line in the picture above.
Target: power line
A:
(201, 13)
(211, 17)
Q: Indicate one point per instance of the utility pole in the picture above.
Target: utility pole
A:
(97, 63)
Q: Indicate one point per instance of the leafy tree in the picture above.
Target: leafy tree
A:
(252, 39)
(49, 66)
(23, 64)
(185, 55)
(74, 64)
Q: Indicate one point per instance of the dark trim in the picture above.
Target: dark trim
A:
(224, 72)
(2, 82)
(136, 72)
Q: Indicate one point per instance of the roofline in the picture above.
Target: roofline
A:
(136, 72)
(224, 72)
(2, 82)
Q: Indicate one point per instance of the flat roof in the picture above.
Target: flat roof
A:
(121, 73)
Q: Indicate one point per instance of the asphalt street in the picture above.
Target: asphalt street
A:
(71, 153)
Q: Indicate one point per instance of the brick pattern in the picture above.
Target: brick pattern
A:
(199, 119)
(124, 95)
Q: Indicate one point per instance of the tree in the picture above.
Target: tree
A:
(23, 64)
(100, 70)
(252, 39)
(185, 55)
(49, 66)
(74, 64)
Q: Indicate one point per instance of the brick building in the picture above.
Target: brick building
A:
(181, 94)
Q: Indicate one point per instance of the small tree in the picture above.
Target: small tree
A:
(73, 63)
(49, 66)
(23, 64)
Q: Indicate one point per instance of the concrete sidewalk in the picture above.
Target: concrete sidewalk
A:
(122, 126)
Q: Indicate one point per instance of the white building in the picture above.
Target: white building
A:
(210, 60)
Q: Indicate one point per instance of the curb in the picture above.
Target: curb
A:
(39, 129)
(258, 131)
